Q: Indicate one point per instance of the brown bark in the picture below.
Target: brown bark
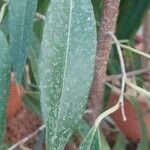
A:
(146, 38)
(108, 24)
(147, 33)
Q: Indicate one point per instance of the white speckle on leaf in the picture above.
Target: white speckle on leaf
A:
(66, 69)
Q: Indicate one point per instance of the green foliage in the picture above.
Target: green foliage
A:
(34, 55)
(40, 141)
(3, 146)
(120, 142)
(106, 97)
(42, 6)
(60, 52)
(98, 8)
(21, 16)
(4, 26)
(95, 143)
(129, 19)
(137, 65)
(39, 24)
(4, 81)
(32, 102)
(89, 139)
(65, 77)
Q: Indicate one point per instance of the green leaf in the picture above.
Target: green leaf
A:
(84, 128)
(4, 81)
(33, 84)
(98, 8)
(94, 140)
(4, 26)
(21, 17)
(88, 140)
(137, 65)
(42, 6)
(34, 56)
(32, 102)
(40, 140)
(130, 17)
(106, 97)
(147, 100)
(104, 143)
(143, 144)
(113, 67)
(67, 65)
(96, 143)
(129, 20)
(120, 143)
(3, 146)
(39, 24)
(38, 28)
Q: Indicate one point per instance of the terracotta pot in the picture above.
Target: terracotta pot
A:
(14, 100)
(131, 127)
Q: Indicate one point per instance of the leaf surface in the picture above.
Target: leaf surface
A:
(66, 68)
(32, 102)
(34, 55)
(4, 26)
(120, 143)
(4, 81)
(129, 20)
(130, 17)
(21, 17)
(98, 8)
(96, 142)
(88, 140)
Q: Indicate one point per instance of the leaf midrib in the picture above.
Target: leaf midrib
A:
(67, 51)
(22, 35)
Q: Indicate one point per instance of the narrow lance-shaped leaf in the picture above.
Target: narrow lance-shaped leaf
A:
(34, 56)
(98, 8)
(4, 26)
(21, 17)
(38, 25)
(40, 141)
(95, 142)
(129, 20)
(32, 102)
(66, 70)
(4, 81)
(87, 143)
(42, 6)
(94, 131)
(130, 17)
(120, 142)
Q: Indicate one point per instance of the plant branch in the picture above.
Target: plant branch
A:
(28, 137)
(135, 51)
(108, 24)
(106, 113)
(137, 88)
(128, 74)
(133, 86)
(121, 99)
(124, 41)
